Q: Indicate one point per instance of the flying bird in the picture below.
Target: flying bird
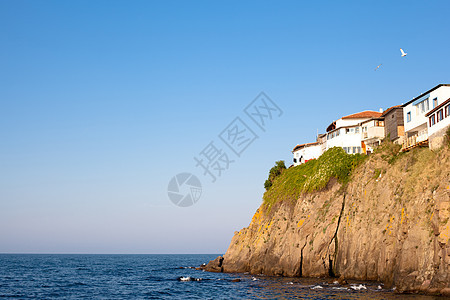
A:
(403, 52)
(378, 67)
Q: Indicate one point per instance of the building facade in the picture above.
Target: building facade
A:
(414, 115)
(304, 152)
(346, 132)
(394, 128)
(438, 124)
(372, 133)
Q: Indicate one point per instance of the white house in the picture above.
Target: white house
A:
(303, 153)
(414, 115)
(372, 133)
(346, 132)
(438, 123)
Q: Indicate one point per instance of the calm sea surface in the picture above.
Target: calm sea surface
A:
(26, 276)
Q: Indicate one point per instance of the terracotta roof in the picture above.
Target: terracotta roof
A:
(371, 119)
(331, 126)
(363, 115)
(390, 109)
(303, 146)
(438, 107)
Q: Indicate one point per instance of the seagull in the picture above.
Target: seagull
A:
(403, 52)
(378, 67)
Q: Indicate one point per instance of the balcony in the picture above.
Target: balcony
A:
(376, 132)
(420, 139)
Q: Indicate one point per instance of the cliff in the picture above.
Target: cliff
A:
(390, 223)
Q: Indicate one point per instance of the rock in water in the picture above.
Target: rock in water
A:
(215, 265)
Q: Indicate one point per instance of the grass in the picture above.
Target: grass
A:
(312, 176)
(389, 151)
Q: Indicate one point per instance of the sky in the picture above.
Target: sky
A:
(102, 103)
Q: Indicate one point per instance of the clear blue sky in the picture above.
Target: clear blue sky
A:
(102, 102)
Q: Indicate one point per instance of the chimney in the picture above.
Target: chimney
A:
(381, 110)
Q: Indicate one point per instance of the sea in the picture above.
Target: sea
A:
(81, 276)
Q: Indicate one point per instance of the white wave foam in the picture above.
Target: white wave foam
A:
(188, 278)
(339, 288)
(358, 287)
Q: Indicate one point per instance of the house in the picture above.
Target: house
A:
(372, 133)
(438, 124)
(304, 152)
(393, 124)
(414, 115)
(346, 133)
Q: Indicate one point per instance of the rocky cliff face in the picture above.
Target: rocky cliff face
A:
(391, 223)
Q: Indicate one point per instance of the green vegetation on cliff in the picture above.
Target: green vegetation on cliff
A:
(274, 173)
(311, 176)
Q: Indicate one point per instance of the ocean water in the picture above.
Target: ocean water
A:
(61, 276)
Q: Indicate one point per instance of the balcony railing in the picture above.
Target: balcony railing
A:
(420, 139)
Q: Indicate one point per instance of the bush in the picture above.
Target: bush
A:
(312, 175)
(274, 172)
(267, 184)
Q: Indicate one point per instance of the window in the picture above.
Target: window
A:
(447, 111)
(295, 160)
(440, 115)
(423, 106)
(432, 120)
(345, 149)
(435, 102)
(408, 116)
(357, 130)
